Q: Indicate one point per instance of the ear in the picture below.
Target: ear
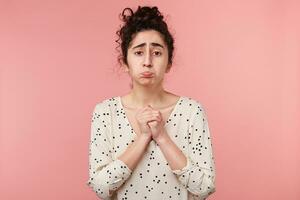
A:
(125, 67)
(168, 68)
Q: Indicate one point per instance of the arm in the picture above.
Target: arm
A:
(195, 171)
(105, 174)
(133, 153)
(174, 156)
(135, 150)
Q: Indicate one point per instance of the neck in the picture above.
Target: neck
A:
(143, 96)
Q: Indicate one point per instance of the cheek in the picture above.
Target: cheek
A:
(162, 61)
(162, 66)
(134, 61)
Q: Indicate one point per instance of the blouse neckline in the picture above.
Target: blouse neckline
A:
(166, 123)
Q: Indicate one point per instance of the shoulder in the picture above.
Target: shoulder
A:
(105, 104)
(190, 102)
(192, 106)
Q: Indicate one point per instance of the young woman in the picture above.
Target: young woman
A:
(150, 143)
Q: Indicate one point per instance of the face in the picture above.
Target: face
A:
(147, 58)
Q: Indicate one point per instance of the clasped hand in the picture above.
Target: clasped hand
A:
(151, 122)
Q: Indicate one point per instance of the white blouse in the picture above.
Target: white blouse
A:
(111, 133)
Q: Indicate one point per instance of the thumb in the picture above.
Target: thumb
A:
(152, 123)
(150, 107)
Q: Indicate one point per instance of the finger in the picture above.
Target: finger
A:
(149, 113)
(152, 122)
(153, 110)
(144, 108)
(155, 118)
(150, 118)
(149, 107)
(157, 115)
(143, 114)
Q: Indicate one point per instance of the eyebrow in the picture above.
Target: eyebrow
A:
(153, 44)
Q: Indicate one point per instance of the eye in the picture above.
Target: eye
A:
(138, 52)
(157, 53)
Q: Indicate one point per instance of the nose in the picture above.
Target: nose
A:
(148, 60)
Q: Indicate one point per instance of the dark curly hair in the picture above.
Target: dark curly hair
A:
(144, 18)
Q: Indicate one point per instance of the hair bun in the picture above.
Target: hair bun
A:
(124, 17)
(142, 15)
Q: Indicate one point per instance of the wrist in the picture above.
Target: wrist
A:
(163, 137)
(145, 137)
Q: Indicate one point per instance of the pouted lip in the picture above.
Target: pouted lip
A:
(147, 74)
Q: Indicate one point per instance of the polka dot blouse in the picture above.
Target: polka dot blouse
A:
(152, 178)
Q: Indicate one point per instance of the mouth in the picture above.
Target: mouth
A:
(147, 75)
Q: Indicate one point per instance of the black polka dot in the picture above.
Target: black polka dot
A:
(112, 134)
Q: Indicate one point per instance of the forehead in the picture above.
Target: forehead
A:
(148, 37)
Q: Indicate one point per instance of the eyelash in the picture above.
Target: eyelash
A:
(154, 52)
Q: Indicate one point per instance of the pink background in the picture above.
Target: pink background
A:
(240, 59)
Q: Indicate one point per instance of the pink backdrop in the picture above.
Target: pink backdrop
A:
(240, 59)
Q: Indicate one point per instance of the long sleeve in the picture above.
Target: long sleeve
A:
(104, 173)
(198, 176)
